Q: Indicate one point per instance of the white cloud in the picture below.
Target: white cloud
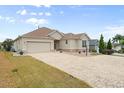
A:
(35, 21)
(41, 13)
(37, 6)
(61, 12)
(33, 13)
(111, 31)
(8, 19)
(108, 32)
(48, 6)
(48, 14)
(22, 12)
(1, 17)
(11, 21)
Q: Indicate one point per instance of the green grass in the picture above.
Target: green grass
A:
(31, 73)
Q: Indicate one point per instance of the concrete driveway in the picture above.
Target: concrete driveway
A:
(98, 71)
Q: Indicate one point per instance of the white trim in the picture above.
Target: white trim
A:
(55, 32)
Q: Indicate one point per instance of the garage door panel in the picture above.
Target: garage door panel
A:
(34, 47)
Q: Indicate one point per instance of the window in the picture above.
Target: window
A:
(66, 42)
(83, 43)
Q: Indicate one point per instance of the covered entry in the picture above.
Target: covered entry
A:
(56, 44)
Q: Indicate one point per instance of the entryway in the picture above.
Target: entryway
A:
(56, 45)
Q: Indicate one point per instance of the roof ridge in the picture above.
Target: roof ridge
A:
(39, 31)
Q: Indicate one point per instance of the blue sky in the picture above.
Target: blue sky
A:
(93, 20)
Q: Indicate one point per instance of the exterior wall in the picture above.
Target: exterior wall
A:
(117, 48)
(80, 45)
(18, 44)
(73, 45)
(56, 36)
(83, 37)
(21, 44)
(63, 44)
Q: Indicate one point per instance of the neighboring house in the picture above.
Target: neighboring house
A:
(117, 47)
(1, 47)
(45, 39)
(94, 45)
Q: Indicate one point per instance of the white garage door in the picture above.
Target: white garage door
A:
(35, 47)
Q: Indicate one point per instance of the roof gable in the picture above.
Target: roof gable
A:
(84, 36)
(56, 35)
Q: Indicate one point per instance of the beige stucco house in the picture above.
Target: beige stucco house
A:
(45, 39)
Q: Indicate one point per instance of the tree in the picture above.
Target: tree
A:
(0, 45)
(118, 38)
(122, 42)
(7, 44)
(101, 44)
(109, 45)
(105, 45)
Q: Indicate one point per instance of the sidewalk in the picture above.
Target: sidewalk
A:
(117, 54)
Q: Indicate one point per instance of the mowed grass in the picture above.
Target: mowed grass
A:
(31, 73)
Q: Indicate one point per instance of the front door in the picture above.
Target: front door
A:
(56, 44)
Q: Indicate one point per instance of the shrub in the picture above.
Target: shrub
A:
(21, 52)
(108, 51)
(93, 50)
(60, 51)
(13, 50)
(7, 44)
(79, 52)
(103, 51)
(83, 51)
(121, 51)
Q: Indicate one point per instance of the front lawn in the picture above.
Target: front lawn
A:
(31, 73)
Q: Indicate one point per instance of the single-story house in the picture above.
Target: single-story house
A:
(46, 39)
